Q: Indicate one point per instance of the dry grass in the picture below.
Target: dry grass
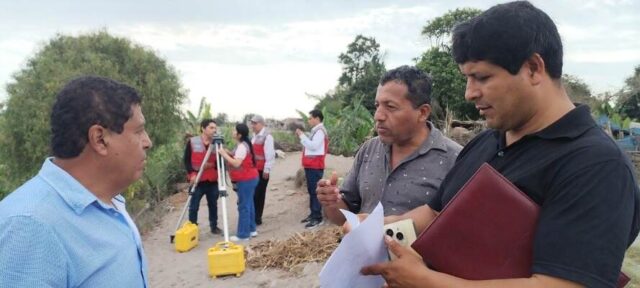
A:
(301, 248)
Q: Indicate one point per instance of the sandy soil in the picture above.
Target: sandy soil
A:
(285, 207)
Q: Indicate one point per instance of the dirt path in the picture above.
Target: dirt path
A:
(285, 207)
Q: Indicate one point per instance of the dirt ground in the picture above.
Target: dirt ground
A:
(285, 207)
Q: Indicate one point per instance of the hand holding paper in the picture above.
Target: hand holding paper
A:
(363, 246)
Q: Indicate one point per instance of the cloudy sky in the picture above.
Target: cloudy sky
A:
(252, 56)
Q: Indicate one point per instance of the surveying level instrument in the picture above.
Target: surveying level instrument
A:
(225, 258)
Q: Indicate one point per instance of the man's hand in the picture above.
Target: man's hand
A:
(327, 191)
(346, 227)
(265, 175)
(192, 179)
(407, 270)
(298, 132)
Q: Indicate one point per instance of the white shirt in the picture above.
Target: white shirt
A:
(241, 151)
(315, 145)
(269, 150)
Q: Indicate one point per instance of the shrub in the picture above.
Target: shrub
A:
(25, 125)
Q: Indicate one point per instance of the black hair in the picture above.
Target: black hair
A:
(418, 83)
(86, 101)
(507, 35)
(317, 114)
(205, 122)
(243, 130)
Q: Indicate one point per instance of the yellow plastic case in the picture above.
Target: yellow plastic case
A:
(186, 237)
(226, 258)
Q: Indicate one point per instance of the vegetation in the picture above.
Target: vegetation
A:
(448, 83)
(362, 67)
(24, 125)
(286, 140)
(349, 109)
(348, 128)
(192, 121)
(629, 96)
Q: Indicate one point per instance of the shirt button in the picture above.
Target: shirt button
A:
(500, 153)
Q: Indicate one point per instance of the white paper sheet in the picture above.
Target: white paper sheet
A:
(363, 246)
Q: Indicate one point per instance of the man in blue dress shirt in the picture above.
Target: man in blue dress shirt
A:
(68, 226)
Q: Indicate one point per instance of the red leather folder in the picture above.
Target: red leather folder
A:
(485, 232)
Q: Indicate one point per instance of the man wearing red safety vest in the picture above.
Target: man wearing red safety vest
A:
(208, 183)
(265, 154)
(313, 154)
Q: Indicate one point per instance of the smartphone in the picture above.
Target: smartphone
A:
(403, 232)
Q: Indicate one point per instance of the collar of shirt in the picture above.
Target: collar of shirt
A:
(571, 125)
(434, 141)
(73, 193)
(317, 127)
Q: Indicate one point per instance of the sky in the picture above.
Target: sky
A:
(266, 57)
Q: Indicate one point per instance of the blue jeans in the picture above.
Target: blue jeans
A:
(210, 189)
(246, 208)
(313, 176)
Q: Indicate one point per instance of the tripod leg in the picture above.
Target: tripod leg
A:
(184, 210)
(191, 190)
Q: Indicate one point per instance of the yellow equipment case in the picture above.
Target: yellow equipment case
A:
(226, 258)
(186, 237)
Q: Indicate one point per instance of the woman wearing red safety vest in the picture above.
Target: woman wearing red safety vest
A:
(243, 172)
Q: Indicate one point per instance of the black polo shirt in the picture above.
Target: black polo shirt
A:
(584, 184)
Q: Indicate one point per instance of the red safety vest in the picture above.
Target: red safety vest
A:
(198, 151)
(258, 149)
(316, 161)
(246, 170)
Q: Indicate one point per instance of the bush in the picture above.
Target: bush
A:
(286, 141)
(24, 128)
(164, 168)
(348, 128)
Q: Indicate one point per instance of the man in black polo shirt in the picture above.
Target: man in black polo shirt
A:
(552, 150)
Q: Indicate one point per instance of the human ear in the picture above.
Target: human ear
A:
(535, 68)
(425, 112)
(98, 139)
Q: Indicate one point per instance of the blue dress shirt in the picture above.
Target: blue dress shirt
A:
(55, 233)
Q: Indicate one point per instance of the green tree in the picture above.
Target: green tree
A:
(629, 97)
(362, 52)
(348, 127)
(439, 29)
(578, 91)
(331, 101)
(448, 83)
(362, 67)
(192, 121)
(348, 109)
(32, 90)
(221, 118)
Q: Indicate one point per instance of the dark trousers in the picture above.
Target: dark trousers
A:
(210, 189)
(313, 176)
(259, 195)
